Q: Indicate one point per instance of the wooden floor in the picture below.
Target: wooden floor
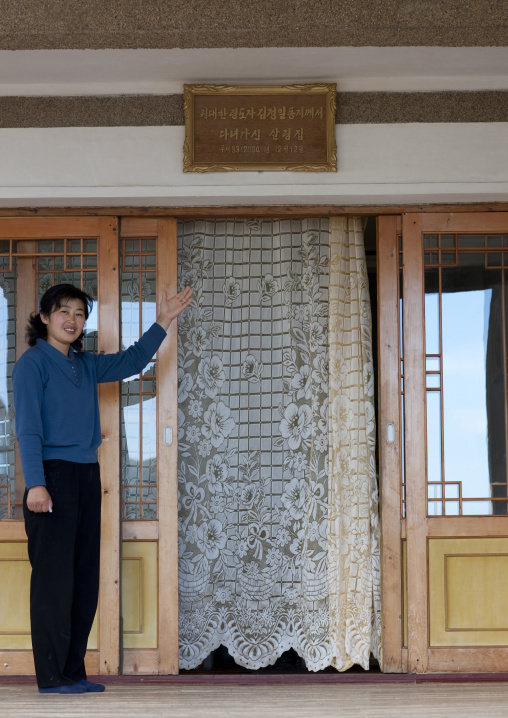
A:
(426, 700)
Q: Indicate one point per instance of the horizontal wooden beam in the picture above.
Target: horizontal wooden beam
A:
(467, 660)
(252, 211)
(467, 526)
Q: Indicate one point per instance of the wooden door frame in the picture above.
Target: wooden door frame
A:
(162, 660)
(107, 659)
(105, 229)
(163, 222)
(390, 452)
(416, 529)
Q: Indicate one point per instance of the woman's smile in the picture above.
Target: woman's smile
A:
(65, 324)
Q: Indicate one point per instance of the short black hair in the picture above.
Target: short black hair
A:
(50, 301)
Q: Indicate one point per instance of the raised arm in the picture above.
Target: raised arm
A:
(114, 367)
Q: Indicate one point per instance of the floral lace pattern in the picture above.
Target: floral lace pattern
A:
(253, 441)
(257, 568)
(353, 534)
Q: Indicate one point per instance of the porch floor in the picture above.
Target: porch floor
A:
(386, 697)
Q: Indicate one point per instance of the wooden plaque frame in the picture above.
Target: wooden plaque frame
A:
(260, 127)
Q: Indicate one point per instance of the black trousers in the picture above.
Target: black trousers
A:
(63, 547)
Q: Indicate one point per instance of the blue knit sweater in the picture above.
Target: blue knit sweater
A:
(56, 400)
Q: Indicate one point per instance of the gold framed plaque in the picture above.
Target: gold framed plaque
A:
(260, 127)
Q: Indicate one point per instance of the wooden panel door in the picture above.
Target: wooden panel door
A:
(136, 628)
(149, 408)
(448, 531)
(35, 254)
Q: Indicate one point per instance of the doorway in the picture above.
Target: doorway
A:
(443, 382)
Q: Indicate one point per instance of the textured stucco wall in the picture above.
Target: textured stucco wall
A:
(167, 110)
(37, 24)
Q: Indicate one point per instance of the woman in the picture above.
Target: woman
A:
(58, 430)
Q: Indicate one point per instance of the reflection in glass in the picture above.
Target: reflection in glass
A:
(473, 384)
(474, 422)
(452, 491)
(452, 508)
(448, 241)
(45, 272)
(433, 381)
(435, 491)
(139, 403)
(432, 343)
(471, 241)
(434, 435)
(433, 363)
(435, 508)
(483, 508)
(11, 492)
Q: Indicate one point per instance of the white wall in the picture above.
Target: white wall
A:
(377, 164)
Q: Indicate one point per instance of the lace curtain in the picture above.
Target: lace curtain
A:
(258, 568)
(353, 527)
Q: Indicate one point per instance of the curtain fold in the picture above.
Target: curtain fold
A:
(353, 529)
(277, 542)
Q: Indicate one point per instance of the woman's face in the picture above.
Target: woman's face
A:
(65, 324)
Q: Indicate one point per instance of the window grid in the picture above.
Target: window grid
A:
(445, 251)
(139, 419)
(59, 261)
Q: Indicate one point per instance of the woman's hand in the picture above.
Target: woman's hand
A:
(38, 500)
(171, 307)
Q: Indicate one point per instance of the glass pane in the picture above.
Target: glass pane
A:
(11, 491)
(401, 322)
(473, 382)
(448, 258)
(451, 491)
(434, 436)
(435, 491)
(452, 508)
(149, 440)
(494, 259)
(467, 241)
(471, 259)
(430, 241)
(149, 305)
(433, 381)
(435, 508)
(48, 270)
(448, 241)
(433, 363)
(131, 448)
(479, 508)
(402, 442)
(139, 407)
(432, 343)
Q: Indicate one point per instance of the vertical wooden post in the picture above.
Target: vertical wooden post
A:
(26, 302)
(415, 449)
(109, 341)
(167, 411)
(390, 453)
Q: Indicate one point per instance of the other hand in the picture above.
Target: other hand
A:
(171, 307)
(38, 500)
